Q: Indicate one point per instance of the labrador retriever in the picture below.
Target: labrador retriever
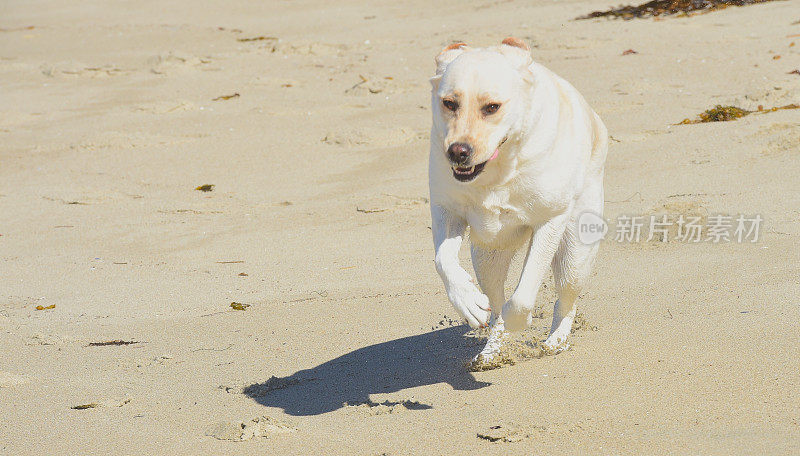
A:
(516, 155)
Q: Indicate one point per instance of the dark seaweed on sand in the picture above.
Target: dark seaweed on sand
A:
(112, 342)
(669, 7)
(721, 113)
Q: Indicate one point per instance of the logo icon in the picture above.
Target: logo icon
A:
(591, 228)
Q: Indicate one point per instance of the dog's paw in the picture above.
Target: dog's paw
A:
(555, 344)
(516, 317)
(471, 304)
(557, 340)
(492, 356)
(497, 336)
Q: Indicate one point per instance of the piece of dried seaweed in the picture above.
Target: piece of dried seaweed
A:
(780, 108)
(113, 343)
(370, 211)
(721, 113)
(226, 97)
(205, 188)
(239, 306)
(30, 27)
(656, 8)
(86, 406)
(257, 38)
(51, 306)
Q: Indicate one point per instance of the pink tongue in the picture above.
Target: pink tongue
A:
(495, 154)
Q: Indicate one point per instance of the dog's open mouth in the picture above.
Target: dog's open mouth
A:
(467, 174)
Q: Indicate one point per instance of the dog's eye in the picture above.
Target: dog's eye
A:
(450, 104)
(490, 108)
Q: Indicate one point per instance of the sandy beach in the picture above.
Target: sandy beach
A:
(309, 122)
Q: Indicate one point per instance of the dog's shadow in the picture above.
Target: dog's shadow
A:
(435, 357)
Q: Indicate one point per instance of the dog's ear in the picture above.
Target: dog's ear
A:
(447, 55)
(516, 42)
(517, 51)
(519, 54)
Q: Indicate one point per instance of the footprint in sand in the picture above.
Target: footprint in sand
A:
(175, 62)
(370, 408)
(239, 431)
(523, 345)
(503, 433)
(780, 138)
(767, 98)
(46, 339)
(78, 69)
(311, 48)
(120, 140)
(301, 47)
(166, 107)
(7, 379)
(373, 137)
(692, 211)
(387, 202)
(367, 85)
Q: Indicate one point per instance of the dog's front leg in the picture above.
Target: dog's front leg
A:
(545, 241)
(448, 231)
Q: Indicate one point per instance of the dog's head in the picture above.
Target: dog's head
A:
(479, 96)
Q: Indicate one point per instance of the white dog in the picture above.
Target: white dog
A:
(517, 155)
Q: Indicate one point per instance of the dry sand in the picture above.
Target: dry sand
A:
(319, 221)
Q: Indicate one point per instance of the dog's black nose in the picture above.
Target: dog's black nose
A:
(459, 153)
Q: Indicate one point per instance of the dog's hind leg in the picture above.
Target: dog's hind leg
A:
(541, 251)
(491, 269)
(572, 266)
